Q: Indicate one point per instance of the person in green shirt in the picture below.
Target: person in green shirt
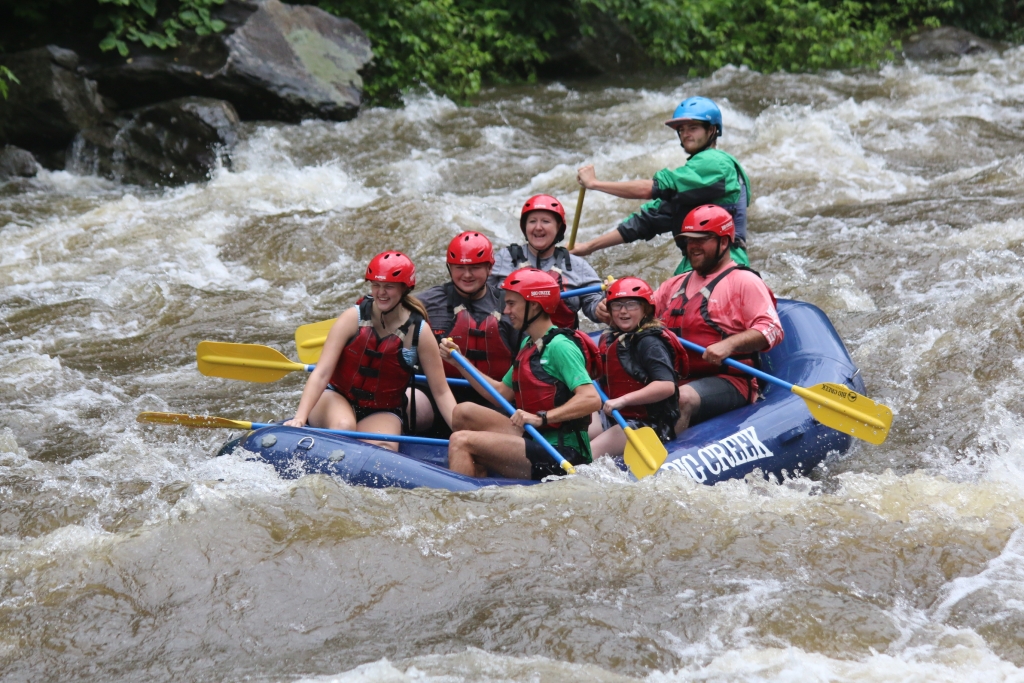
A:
(549, 384)
(710, 176)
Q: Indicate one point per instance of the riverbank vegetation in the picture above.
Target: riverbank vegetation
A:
(454, 47)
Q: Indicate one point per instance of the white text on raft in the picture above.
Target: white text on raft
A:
(722, 455)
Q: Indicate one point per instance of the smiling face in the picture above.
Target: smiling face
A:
(515, 309)
(694, 135)
(626, 314)
(470, 280)
(702, 248)
(541, 229)
(387, 295)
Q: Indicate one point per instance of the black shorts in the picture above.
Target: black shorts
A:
(717, 396)
(362, 413)
(543, 465)
(666, 432)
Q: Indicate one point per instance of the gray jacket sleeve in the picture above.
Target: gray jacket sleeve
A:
(584, 275)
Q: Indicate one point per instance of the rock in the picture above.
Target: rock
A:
(275, 61)
(51, 103)
(170, 143)
(607, 47)
(17, 163)
(945, 41)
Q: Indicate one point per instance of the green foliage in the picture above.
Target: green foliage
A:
(454, 46)
(5, 73)
(450, 46)
(766, 35)
(142, 21)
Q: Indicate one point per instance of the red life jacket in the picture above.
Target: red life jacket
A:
(624, 373)
(563, 316)
(691, 320)
(536, 390)
(372, 373)
(481, 343)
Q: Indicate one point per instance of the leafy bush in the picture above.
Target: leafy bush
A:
(137, 21)
(6, 75)
(454, 47)
(451, 46)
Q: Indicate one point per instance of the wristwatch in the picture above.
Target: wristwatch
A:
(543, 415)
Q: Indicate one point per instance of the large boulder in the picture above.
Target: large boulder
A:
(945, 41)
(274, 61)
(596, 45)
(170, 143)
(52, 102)
(17, 163)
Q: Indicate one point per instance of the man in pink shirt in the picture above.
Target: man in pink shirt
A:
(722, 306)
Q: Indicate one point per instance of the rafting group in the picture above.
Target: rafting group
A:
(503, 323)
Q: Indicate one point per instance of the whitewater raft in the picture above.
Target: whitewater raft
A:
(775, 435)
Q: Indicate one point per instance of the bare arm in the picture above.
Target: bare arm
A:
(342, 331)
(584, 401)
(655, 391)
(609, 239)
(747, 341)
(433, 368)
(626, 189)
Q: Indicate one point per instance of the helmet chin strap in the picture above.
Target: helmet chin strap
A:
(530, 321)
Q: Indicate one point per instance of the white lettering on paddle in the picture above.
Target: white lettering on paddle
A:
(719, 456)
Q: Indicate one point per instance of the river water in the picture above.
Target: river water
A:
(890, 199)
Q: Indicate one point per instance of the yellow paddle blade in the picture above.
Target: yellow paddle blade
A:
(309, 340)
(842, 409)
(248, 362)
(644, 451)
(193, 421)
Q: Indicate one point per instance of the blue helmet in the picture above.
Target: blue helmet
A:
(697, 109)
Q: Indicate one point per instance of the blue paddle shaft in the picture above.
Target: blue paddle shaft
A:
(616, 414)
(740, 366)
(367, 435)
(507, 407)
(592, 289)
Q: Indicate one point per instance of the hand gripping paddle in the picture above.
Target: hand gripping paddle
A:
(644, 451)
(833, 405)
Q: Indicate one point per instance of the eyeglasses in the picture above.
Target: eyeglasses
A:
(687, 239)
(628, 305)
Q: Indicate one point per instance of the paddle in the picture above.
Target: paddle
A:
(576, 218)
(256, 363)
(833, 405)
(210, 422)
(309, 339)
(644, 451)
(507, 407)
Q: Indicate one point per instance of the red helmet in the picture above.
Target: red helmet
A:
(544, 202)
(631, 288)
(711, 219)
(534, 285)
(470, 248)
(392, 266)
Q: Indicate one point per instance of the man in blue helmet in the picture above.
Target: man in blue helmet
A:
(710, 176)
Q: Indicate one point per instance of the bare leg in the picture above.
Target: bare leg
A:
(610, 442)
(596, 426)
(689, 403)
(381, 423)
(486, 440)
(424, 411)
(332, 411)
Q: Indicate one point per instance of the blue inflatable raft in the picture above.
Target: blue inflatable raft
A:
(776, 434)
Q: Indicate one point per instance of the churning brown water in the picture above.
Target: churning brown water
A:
(890, 199)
